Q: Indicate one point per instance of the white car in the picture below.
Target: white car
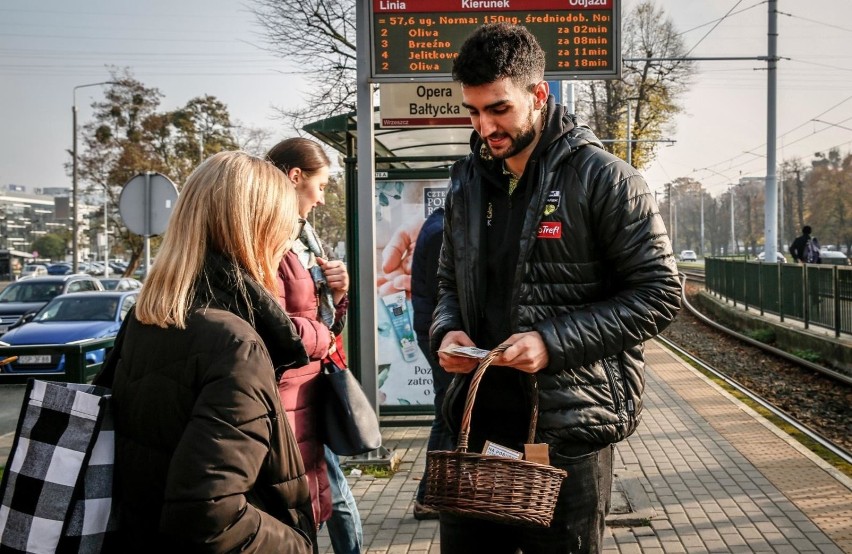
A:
(779, 257)
(688, 256)
(833, 257)
(33, 270)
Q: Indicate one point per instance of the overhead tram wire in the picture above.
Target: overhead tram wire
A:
(808, 121)
(729, 14)
(789, 59)
(713, 28)
(815, 21)
(715, 24)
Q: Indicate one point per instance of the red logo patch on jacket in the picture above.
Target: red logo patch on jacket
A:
(550, 230)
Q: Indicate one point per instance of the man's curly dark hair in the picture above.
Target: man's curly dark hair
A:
(498, 50)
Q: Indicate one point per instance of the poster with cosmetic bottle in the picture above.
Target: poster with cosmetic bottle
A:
(404, 374)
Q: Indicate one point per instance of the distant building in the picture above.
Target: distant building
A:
(24, 217)
(54, 191)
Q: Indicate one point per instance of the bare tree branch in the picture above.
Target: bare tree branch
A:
(318, 37)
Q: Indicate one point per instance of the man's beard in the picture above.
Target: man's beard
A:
(524, 138)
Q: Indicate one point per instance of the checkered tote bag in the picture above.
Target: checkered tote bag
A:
(57, 488)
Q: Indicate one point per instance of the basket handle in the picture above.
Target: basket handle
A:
(471, 397)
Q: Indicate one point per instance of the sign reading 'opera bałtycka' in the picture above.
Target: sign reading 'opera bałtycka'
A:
(422, 105)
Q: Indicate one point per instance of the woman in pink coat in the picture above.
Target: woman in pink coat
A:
(313, 292)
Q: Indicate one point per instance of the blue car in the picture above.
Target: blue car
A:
(69, 319)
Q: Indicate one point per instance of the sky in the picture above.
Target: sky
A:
(185, 48)
(196, 47)
(721, 134)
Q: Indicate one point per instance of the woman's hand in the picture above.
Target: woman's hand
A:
(337, 277)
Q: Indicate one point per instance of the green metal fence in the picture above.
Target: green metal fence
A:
(77, 369)
(819, 295)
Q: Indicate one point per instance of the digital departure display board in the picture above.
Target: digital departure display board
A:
(418, 39)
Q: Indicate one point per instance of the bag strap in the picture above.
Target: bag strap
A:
(106, 375)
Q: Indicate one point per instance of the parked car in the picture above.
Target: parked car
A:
(117, 267)
(33, 270)
(30, 295)
(69, 318)
(92, 268)
(688, 256)
(779, 257)
(141, 272)
(120, 283)
(61, 268)
(833, 257)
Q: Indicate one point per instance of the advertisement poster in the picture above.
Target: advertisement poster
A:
(404, 375)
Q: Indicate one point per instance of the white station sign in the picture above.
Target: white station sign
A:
(422, 105)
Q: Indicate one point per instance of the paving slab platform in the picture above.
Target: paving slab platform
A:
(703, 473)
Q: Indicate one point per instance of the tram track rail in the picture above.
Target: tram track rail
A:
(840, 381)
(811, 434)
(828, 372)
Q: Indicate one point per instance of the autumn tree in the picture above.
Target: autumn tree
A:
(655, 78)
(49, 246)
(254, 140)
(791, 184)
(128, 135)
(828, 204)
(687, 196)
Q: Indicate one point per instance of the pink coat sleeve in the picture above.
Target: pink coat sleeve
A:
(297, 296)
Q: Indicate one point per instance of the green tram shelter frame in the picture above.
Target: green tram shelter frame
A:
(400, 154)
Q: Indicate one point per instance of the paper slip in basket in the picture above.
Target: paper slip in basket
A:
(494, 449)
(466, 352)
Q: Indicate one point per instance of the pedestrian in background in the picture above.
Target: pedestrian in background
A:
(205, 460)
(313, 291)
(555, 248)
(805, 248)
(424, 297)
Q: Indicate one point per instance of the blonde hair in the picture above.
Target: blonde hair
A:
(234, 203)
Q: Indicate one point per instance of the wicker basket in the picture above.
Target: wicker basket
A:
(500, 489)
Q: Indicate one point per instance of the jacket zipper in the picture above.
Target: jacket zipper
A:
(612, 386)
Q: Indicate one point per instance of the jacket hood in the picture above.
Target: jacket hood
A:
(224, 285)
(559, 125)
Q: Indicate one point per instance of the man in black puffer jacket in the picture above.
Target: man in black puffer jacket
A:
(555, 247)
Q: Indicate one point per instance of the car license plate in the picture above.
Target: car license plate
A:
(4, 328)
(37, 359)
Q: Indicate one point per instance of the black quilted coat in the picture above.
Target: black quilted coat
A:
(205, 458)
(595, 295)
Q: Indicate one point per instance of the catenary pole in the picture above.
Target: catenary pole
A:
(770, 244)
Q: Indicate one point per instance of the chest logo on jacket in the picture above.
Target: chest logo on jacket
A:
(550, 230)
(552, 202)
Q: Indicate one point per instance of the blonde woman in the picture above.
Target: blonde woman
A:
(205, 458)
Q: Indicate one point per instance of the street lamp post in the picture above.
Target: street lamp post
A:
(733, 235)
(106, 230)
(731, 189)
(75, 262)
(629, 133)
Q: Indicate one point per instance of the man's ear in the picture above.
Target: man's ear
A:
(541, 91)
